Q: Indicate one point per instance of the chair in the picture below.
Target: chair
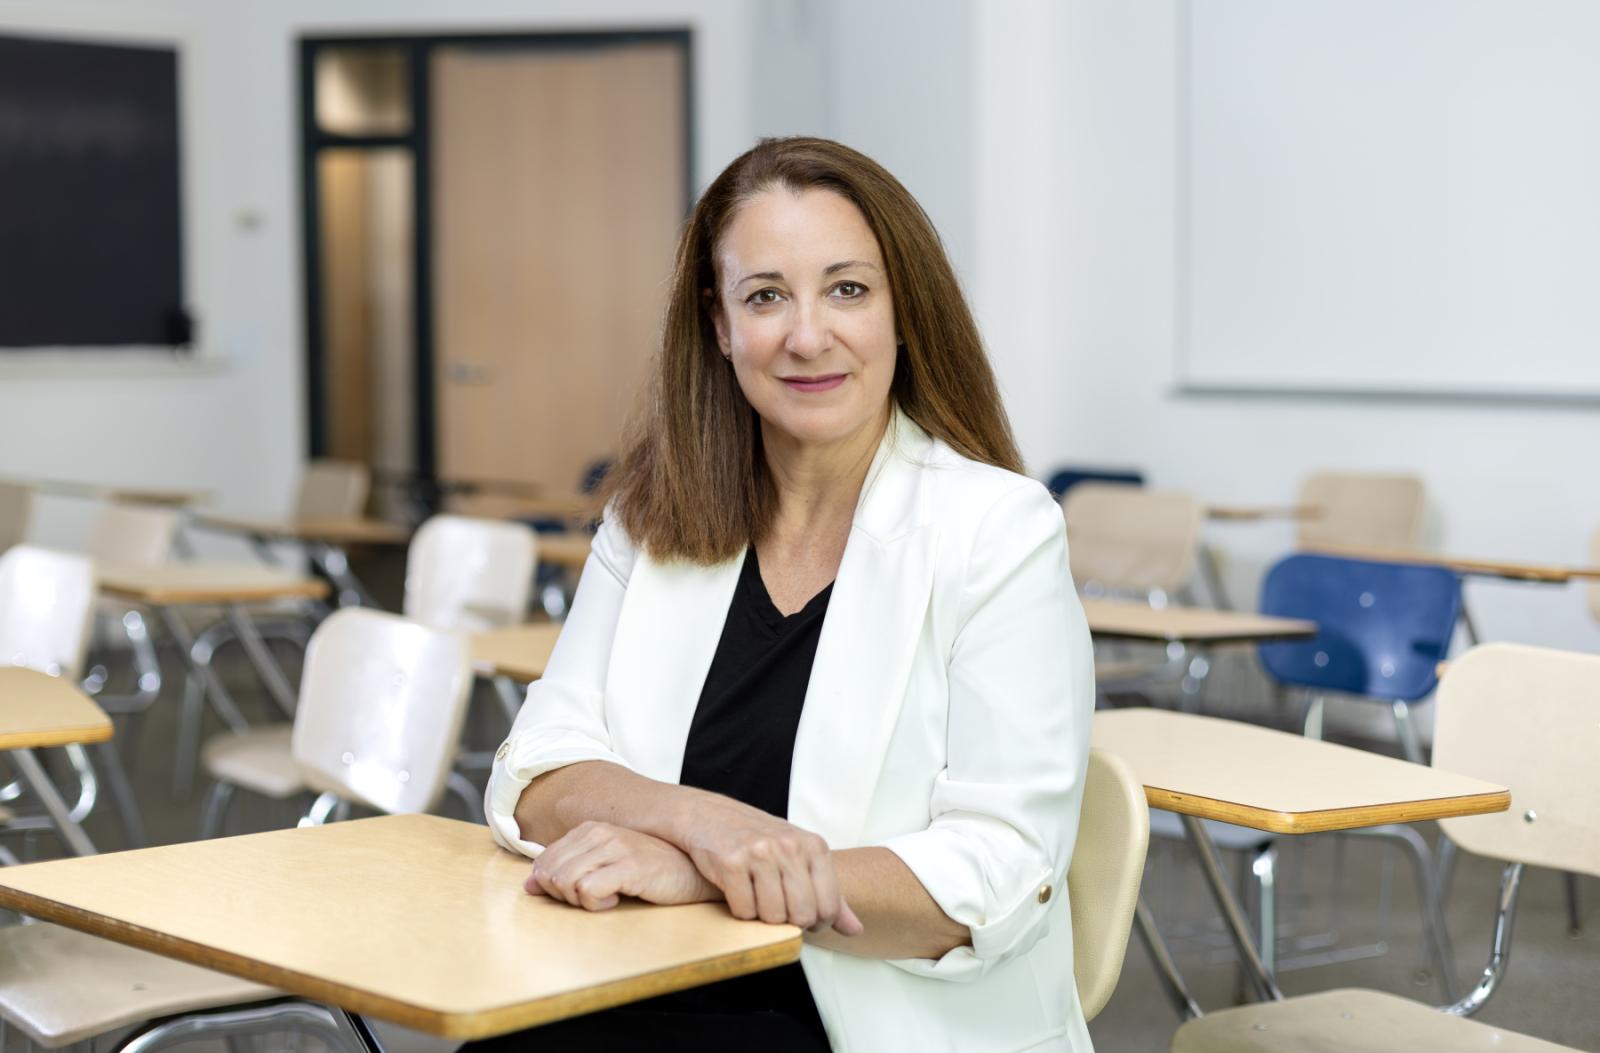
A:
(1103, 880)
(1127, 539)
(382, 700)
(1382, 629)
(332, 490)
(1362, 510)
(16, 512)
(1066, 476)
(1544, 752)
(467, 575)
(46, 602)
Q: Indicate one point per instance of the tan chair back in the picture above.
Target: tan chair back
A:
(1130, 538)
(16, 512)
(46, 601)
(1527, 718)
(1103, 881)
(1594, 588)
(467, 575)
(137, 535)
(333, 490)
(1362, 510)
(381, 704)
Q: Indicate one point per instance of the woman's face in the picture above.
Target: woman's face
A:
(802, 310)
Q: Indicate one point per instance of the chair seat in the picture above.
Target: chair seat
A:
(258, 760)
(1223, 835)
(1348, 1021)
(61, 986)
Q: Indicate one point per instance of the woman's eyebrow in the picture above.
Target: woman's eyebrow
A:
(766, 276)
(835, 268)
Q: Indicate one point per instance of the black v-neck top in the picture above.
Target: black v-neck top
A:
(741, 744)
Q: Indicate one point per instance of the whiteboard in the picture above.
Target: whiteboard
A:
(1390, 196)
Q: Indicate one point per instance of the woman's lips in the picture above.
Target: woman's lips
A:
(826, 382)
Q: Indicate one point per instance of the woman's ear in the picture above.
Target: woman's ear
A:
(719, 320)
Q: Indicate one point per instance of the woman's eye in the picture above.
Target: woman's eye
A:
(850, 290)
(762, 296)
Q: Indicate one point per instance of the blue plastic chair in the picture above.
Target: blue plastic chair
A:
(1066, 476)
(1383, 629)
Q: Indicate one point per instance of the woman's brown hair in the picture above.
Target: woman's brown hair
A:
(692, 483)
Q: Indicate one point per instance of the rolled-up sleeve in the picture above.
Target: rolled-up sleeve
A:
(1005, 809)
(562, 720)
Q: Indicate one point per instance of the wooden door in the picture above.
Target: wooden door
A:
(558, 193)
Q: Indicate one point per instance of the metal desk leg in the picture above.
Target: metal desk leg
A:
(1212, 576)
(1166, 969)
(28, 766)
(1243, 940)
(358, 1032)
(202, 683)
(260, 655)
(336, 565)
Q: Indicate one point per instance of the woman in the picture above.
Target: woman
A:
(826, 662)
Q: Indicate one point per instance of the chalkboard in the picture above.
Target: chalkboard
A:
(90, 215)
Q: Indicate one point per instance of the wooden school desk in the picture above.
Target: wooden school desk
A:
(133, 495)
(511, 657)
(166, 586)
(1191, 626)
(1209, 768)
(324, 540)
(1206, 557)
(410, 918)
(568, 551)
(38, 710)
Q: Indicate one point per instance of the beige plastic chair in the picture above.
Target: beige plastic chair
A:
(1362, 510)
(333, 490)
(132, 534)
(1103, 881)
(46, 599)
(1129, 539)
(16, 512)
(381, 704)
(468, 575)
(1520, 716)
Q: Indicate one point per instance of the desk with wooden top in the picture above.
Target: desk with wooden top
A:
(1210, 768)
(36, 711)
(569, 551)
(1191, 626)
(173, 497)
(166, 586)
(519, 652)
(482, 958)
(325, 541)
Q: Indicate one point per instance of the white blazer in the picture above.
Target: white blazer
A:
(947, 719)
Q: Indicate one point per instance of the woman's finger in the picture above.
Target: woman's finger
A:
(739, 891)
(825, 887)
(597, 890)
(799, 891)
(767, 880)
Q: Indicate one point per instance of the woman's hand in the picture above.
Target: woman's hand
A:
(766, 868)
(596, 863)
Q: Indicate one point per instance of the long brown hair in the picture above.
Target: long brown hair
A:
(693, 483)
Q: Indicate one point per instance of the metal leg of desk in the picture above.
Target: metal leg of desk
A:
(356, 1031)
(336, 565)
(260, 655)
(203, 685)
(28, 766)
(511, 696)
(1166, 969)
(1232, 915)
(1212, 576)
(239, 1021)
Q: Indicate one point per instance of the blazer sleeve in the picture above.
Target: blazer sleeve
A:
(1021, 680)
(562, 720)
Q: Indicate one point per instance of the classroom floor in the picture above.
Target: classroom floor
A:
(1549, 992)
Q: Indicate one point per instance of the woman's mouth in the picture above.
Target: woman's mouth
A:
(821, 382)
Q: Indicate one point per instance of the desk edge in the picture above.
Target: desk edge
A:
(1279, 822)
(84, 734)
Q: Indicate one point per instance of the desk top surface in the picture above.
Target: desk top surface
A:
(138, 495)
(1129, 620)
(520, 652)
(1272, 780)
(39, 710)
(205, 582)
(1259, 513)
(412, 918)
(355, 531)
(1472, 566)
(569, 550)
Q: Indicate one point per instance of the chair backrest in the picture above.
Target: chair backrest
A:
(1594, 588)
(1066, 476)
(333, 490)
(1126, 537)
(1362, 510)
(46, 601)
(1103, 881)
(1382, 628)
(16, 511)
(382, 701)
(1527, 718)
(466, 575)
(138, 535)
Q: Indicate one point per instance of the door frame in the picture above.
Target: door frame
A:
(418, 49)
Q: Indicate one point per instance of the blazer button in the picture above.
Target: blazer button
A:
(1044, 894)
(505, 748)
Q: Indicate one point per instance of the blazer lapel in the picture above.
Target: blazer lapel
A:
(869, 639)
(666, 638)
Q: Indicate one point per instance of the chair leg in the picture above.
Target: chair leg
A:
(215, 809)
(1264, 865)
(462, 787)
(122, 794)
(1315, 704)
(1574, 914)
(1435, 930)
(1406, 730)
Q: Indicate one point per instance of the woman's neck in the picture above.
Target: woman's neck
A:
(818, 484)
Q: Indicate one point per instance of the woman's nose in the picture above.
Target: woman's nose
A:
(810, 334)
